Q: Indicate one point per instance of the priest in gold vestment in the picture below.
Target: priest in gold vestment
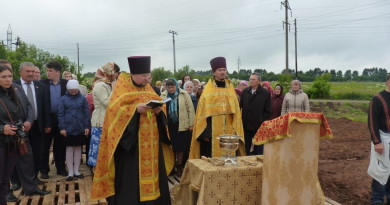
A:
(134, 154)
(218, 113)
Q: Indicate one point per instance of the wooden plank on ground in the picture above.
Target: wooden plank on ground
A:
(35, 199)
(82, 192)
(48, 199)
(71, 193)
(24, 200)
(62, 192)
(88, 188)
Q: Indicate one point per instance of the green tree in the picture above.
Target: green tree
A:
(185, 70)
(355, 75)
(285, 81)
(321, 87)
(348, 75)
(160, 74)
(30, 53)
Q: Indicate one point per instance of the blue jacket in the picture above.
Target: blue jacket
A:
(73, 114)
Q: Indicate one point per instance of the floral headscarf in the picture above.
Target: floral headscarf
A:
(105, 73)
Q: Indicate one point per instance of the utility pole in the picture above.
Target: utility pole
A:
(9, 38)
(287, 28)
(296, 52)
(174, 54)
(78, 59)
(238, 66)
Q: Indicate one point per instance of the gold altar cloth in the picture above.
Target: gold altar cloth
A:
(203, 183)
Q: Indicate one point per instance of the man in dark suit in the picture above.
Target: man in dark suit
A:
(56, 88)
(41, 108)
(255, 103)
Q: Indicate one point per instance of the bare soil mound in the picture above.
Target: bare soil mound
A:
(343, 162)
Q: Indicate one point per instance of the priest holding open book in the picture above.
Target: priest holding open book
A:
(135, 155)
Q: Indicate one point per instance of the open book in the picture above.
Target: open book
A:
(157, 103)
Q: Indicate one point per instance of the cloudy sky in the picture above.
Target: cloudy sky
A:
(332, 34)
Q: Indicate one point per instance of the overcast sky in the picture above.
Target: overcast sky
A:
(332, 34)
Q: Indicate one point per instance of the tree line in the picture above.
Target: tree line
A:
(369, 74)
(30, 53)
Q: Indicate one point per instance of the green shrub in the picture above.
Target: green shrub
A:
(320, 87)
(285, 81)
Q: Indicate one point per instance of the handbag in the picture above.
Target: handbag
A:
(21, 142)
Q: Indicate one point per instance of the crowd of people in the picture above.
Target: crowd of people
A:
(130, 146)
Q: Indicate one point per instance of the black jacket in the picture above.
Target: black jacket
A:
(62, 82)
(43, 104)
(256, 107)
(20, 111)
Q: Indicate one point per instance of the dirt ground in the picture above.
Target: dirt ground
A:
(343, 162)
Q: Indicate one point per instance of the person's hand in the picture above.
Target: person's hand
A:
(9, 130)
(47, 130)
(379, 148)
(86, 131)
(142, 108)
(157, 110)
(191, 128)
(63, 132)
(27, 126)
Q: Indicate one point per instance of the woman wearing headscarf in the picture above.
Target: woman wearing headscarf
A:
(266, 85)
(197, 87)
(242, 85)
(295, 100)
(102, 88)
(189, 87)
(277, 101)
(180, 122)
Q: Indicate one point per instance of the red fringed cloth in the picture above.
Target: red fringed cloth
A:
(279, 128)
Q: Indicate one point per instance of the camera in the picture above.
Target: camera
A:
(20, 133)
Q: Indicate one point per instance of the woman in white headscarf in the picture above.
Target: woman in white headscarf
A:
(189, 87)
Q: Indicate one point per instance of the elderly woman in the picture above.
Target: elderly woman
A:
(189, 87)
(102, 89)
(266, 85)
(180, 122)
(277, 98)
(197, 88)
(242, 85)
(295, 100)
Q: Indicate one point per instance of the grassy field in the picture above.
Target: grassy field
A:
(354, 90)
(353, 111)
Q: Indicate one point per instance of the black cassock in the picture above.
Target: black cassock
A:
(126, 166)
